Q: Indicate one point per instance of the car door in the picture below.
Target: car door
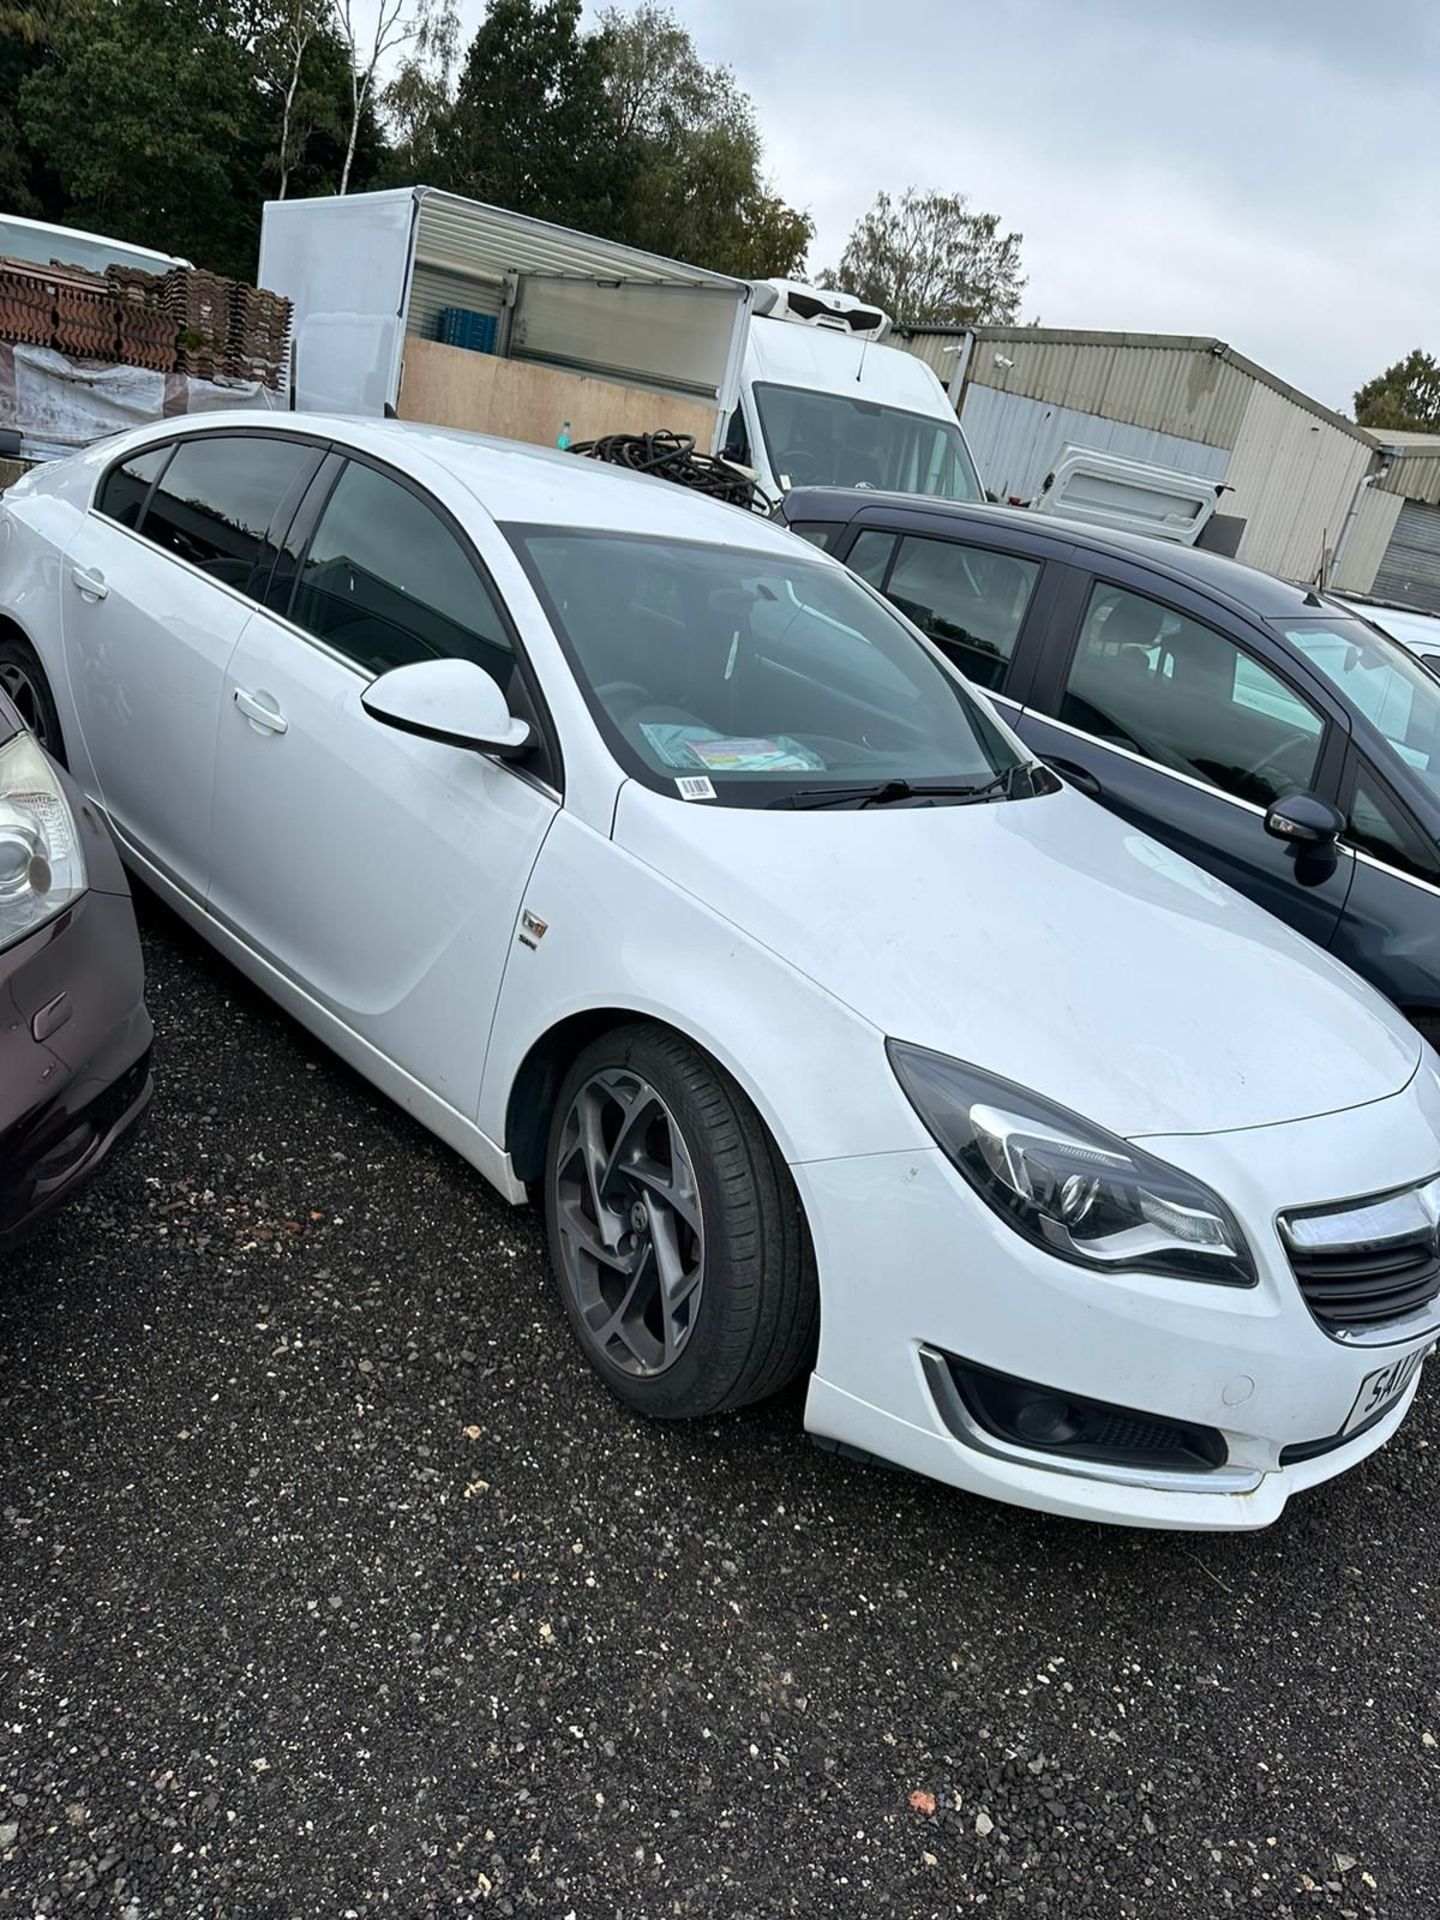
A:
(1154, 702)
(1392, 916)
(978, 598)
(158, 584)
(380, 872)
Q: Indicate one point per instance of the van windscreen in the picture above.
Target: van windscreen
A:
(839, 440)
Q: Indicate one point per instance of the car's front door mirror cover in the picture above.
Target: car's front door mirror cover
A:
(453, 701)
(1305, 820)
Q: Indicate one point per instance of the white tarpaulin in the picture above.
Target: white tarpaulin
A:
(55, 403)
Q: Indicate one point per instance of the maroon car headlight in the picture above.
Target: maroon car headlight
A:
(42, 870)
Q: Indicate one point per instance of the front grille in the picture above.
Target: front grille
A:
(1370, 1262)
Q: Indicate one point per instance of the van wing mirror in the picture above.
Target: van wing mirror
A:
(1306, 821)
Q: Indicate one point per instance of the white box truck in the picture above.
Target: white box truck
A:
(790, 381)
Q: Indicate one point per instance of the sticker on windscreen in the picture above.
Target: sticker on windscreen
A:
(695, 786)
(690, 745)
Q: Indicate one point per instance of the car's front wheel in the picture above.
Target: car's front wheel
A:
(675, 1229)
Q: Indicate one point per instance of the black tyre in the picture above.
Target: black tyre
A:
(23, 678)
(675, 1230)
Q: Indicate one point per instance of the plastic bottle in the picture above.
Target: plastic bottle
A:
(562, 440)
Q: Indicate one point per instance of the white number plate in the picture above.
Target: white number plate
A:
(1380, 1390)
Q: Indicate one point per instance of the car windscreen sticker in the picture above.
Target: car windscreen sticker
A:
(695, 786)
(689, 745)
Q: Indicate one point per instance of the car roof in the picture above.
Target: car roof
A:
(1260, 593)
(513, 481)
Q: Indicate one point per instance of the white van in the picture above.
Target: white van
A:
(43, 243)
(823, 403)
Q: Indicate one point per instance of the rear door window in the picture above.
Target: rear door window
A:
(1380, 827)
(126, 488)
(218, 499)
(971, 601)
(1190, 699)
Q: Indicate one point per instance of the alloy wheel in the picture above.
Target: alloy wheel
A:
(631, 1236)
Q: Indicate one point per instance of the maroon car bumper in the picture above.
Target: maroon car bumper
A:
(74, 1043)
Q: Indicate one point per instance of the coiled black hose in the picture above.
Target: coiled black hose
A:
(672, 456)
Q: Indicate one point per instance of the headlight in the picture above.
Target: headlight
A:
(42, 870)
(1072, 1188)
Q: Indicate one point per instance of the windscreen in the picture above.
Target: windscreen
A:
(840, 440)
(1381, 680)
(757, 675)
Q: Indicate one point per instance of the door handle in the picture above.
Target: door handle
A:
(268, 718)
(92, 585)
(1079, 777)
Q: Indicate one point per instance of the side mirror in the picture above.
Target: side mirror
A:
(1309, 823)
(453, 701)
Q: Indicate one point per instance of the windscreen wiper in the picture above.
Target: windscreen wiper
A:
(884, 792)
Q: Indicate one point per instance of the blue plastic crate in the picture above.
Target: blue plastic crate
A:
(461, 327)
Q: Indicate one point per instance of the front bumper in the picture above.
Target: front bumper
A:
(70, 1098)
(912, 1264)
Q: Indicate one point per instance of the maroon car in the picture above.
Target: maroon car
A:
(74, 1032)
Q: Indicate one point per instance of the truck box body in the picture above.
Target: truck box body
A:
(597, 338)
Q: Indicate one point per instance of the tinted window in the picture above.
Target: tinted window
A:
(1189, 699)
(824, 534)
(126, 488)
(969, 600)
(1378, 827)
(218, 496)
(760, 673)
(387, 583)
(870, 555)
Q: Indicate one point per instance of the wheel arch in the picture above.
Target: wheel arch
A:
(530, 1101)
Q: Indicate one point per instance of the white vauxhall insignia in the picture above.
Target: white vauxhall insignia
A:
(660, 867)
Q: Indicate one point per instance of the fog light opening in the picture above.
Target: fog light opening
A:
(975, 1401)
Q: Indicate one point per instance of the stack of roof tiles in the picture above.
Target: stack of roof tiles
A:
(184, 321)
(27, 304)
(145, 331)
(199, 304)
(84, 313)
(259, 334)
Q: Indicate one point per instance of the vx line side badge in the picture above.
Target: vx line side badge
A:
(532, 928)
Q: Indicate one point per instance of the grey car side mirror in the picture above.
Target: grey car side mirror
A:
(453, 701)
(1306, 821)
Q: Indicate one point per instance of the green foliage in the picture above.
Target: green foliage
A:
(169, 122)
(531, 127)
(145, 110)
(927, 259)
(1405, 398)
(693, 154)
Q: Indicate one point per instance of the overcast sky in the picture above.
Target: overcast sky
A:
(1267, 171)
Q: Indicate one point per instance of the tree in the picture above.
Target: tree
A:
(429, 28)
(531, 127)
(1405, 398)
(927, 259)
(694, 186)
(147, 114)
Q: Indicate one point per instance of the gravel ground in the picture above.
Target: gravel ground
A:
(333, 1585)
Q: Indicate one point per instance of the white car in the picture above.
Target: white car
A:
(662, 868)
(1417, 632)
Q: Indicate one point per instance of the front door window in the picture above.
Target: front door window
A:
(1190, 699)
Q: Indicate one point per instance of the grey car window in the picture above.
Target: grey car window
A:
(1190, 699)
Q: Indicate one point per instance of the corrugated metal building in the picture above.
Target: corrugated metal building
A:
(1312, 488)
